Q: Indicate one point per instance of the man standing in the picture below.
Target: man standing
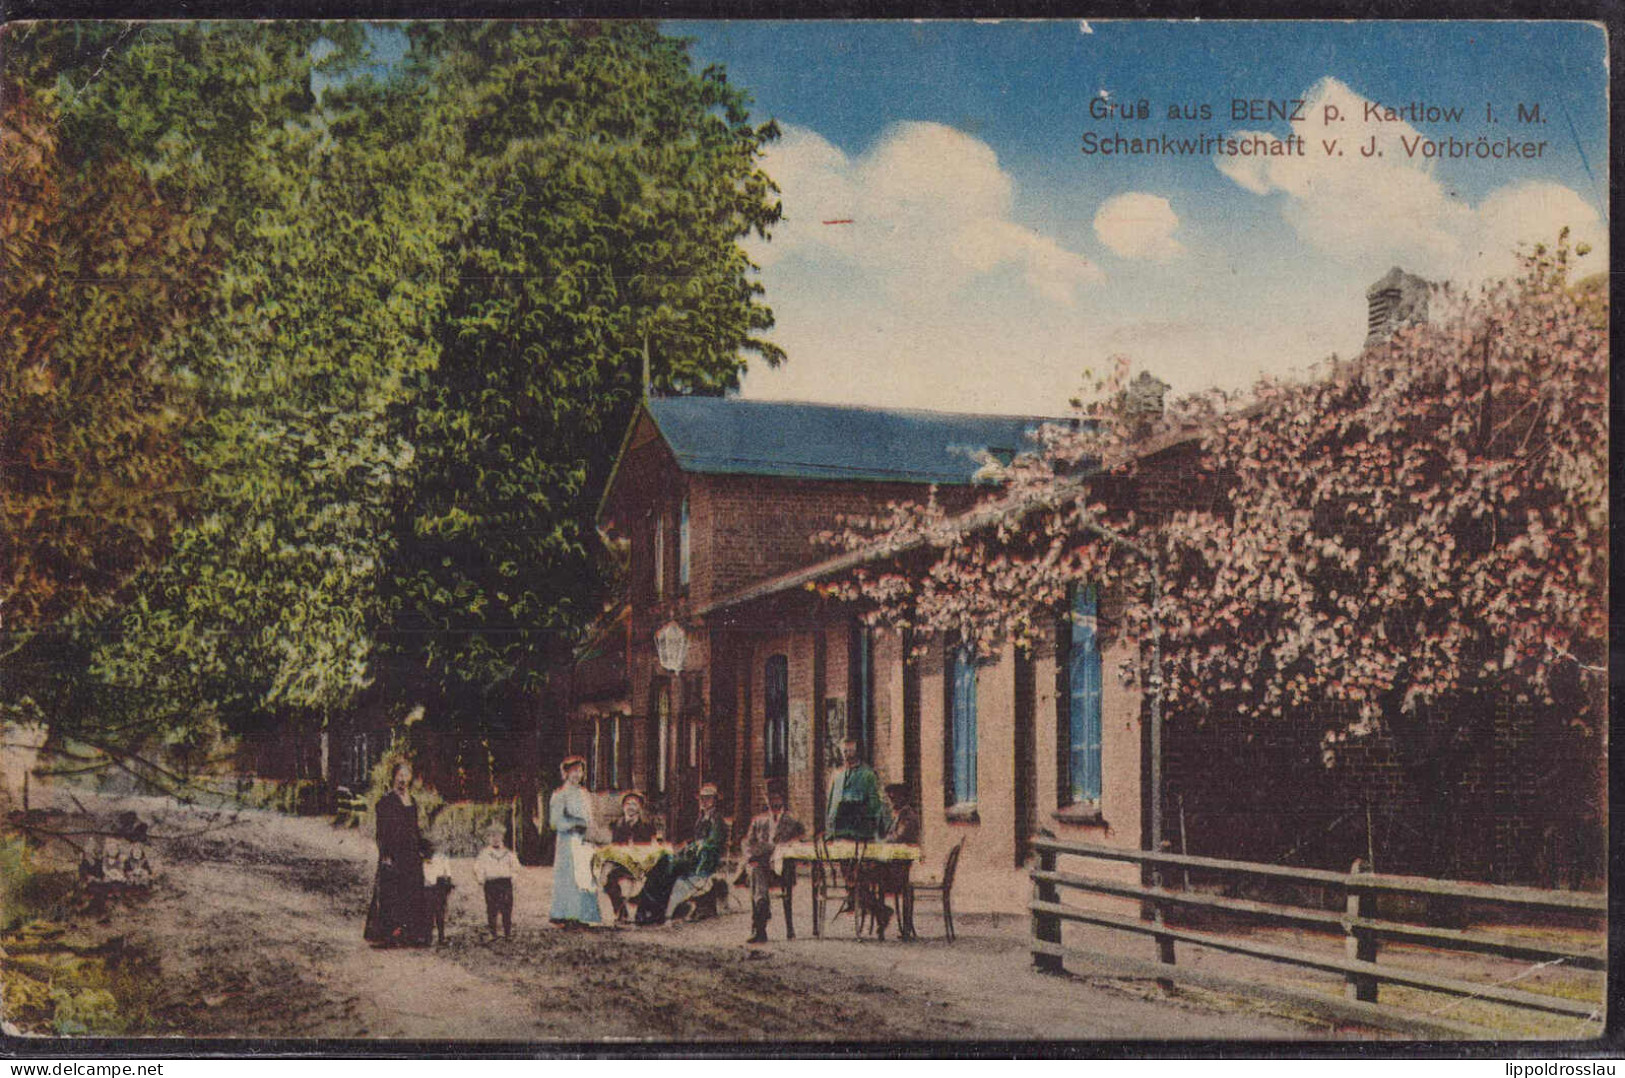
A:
(768, 830)
(855, 810)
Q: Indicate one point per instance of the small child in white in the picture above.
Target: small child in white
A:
(436, 887)
(494, 869)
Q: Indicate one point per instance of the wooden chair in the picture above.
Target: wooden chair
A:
(838, 881)
(942, 888)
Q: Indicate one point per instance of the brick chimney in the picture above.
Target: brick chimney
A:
(1396, 299)
(1144, 395)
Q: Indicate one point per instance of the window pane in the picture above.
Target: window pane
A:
(1084, 705)
(776, 704)
(660, 555)
(682, 546)
(663, 728)
(594, 770)
(963, 674)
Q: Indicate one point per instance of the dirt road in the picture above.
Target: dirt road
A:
(255, 929)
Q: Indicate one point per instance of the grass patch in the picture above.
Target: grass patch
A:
(53, 979)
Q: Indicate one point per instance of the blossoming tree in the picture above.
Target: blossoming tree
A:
(1393, 550)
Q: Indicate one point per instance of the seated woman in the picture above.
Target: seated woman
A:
(677, 876)
(632, 829)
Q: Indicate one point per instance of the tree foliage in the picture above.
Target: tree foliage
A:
(610, 186)
(1400, 543)
(319, 355)
(320, 336)
(91, 474)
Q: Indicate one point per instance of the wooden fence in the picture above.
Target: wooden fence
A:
(1357, 923)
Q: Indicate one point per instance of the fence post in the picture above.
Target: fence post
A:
(1047, 926)
(1358, 943)
(1165, 944)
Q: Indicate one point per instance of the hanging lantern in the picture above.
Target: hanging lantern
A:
(671, 645)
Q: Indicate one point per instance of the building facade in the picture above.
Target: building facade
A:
(720, 503)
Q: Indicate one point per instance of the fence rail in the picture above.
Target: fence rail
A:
(1362, 932)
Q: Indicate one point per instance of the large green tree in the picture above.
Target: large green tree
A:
(611, 186)
(419, 304)
(120, 148)
(270, 604)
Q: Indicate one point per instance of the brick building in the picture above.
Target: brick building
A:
(719, 501)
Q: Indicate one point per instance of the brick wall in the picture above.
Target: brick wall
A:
(752, 528)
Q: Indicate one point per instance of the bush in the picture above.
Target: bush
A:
(457, 828)
(27, 892)
(296, 797)
(89, 1010)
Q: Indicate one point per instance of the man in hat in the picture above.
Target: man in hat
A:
(632, 829)
(678, 875)
(855, 810)
(768, 830)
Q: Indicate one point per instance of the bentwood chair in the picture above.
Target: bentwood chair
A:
(839, 881)
(942, 887)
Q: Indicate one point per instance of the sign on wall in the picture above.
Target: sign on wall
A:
(800, 736)
(834, 729)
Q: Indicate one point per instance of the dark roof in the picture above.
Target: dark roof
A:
(728, 436)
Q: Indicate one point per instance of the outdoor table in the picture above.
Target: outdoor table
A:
(828, 856)
(635, 858)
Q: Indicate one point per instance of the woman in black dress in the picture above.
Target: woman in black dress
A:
(399, 914)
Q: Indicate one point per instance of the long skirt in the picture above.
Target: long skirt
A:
(570, 901)
(399, 911)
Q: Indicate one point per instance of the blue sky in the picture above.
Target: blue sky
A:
(989, 261)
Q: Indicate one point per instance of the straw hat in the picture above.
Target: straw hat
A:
(708, 790)
(571, 761)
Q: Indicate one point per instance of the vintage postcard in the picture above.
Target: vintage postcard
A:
(603, 533)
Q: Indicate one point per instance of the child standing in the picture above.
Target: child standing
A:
(493, 869)
(436, 886)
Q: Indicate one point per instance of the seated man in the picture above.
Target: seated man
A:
(677, 876)
(903, 828)
(768, 830)
(904, 824)
(632, 829)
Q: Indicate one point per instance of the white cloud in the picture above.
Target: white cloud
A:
(928, 210)
(1139, 225)
(1390, 207)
